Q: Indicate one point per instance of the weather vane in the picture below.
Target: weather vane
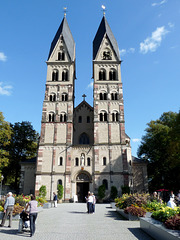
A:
(104, 9)
(65, 11)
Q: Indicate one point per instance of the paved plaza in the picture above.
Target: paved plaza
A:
(69, 221)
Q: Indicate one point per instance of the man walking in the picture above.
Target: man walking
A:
(8, 209)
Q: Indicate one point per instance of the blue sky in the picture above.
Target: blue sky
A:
(148, 35)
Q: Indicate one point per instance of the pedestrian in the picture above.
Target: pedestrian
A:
(55, 199)
(33, 212)
(90, 203)
(8, 209)
(172, 195)
(171, 203)
(86, 198)
(178, 198)
(94, 202)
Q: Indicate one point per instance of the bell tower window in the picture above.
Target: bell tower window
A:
(51, 117)
(65, 75)
(103, 116)
(64, 97)
(61, 56)
(115, 116)
(102, 74)
(114, 96)
(52, 97)
(103, 96)
(63, 117)
(112, 74)
(55, 75)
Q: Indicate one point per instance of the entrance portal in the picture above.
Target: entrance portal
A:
(82, 190)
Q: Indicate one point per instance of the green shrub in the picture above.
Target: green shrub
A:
(42, 191)
(101, 191)
(165, 213)
(114, 192)
(60, 191)
(125, 189)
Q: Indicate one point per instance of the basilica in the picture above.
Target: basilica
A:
(83, 147)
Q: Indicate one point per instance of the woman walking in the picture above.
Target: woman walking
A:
(32, 213)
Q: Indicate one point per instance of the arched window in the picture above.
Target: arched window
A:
(114, 96)
(88, 119)
(64, 97)
(76, 161)
(83, 139)
(112, 74)
(88, 161)
(104, 161)
(64, 75)
(55, 75)
(60, 161)
(61, 56)
(63, 117)
(103, 96)
(115, 117)
(52, 97)
(80, 119)
(51, 117)
(103, 116)
(60, 181)
(105, 183)
(102, 74)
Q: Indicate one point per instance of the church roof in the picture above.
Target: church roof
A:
(65, 31)
(84, 103)
(103, 29)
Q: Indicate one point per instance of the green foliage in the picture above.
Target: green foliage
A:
(23, 146)
(5, 136)
(125, 189)
(161, 147)
(154, 206)
(60, 191)
(101, 191)
(42, 191)
(114, 192)
(165, 213)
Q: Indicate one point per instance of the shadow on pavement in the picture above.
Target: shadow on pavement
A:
(78, 212)
(115, 215)
(139, 234)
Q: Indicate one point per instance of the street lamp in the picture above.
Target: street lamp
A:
(2, 177)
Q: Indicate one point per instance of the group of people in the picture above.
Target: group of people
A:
(30, 209)
(173, 200)
(91, 201)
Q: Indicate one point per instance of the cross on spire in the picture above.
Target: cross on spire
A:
(104, 9)
(65, 11)
(84, 96)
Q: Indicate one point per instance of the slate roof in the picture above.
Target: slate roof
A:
(138, 160)
(84, 103)
(103, 29)
(68, 38)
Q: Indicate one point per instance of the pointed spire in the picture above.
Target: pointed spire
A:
(103, 29)
(65, 32)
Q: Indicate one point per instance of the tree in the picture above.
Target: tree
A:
(5, 136)
(60, 191)
(23, 145)
(101, 192)
(161, 147)
(42, 191)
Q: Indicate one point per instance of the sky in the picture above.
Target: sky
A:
(148, 36)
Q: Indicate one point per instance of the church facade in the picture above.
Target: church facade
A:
(86, 146)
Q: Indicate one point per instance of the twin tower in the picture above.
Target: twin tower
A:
(83, 147)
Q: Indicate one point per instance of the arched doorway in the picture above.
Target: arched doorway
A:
(82, 187)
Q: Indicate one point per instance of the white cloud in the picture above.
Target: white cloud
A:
(171, 25)
(136, 139)
(5, 90)
(151, 44)
(90, 85)
(124, 51)
(159, 3)
(2, 57)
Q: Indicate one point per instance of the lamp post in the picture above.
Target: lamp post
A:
(2, 177)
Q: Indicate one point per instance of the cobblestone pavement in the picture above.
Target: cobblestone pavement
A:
(69, 221)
